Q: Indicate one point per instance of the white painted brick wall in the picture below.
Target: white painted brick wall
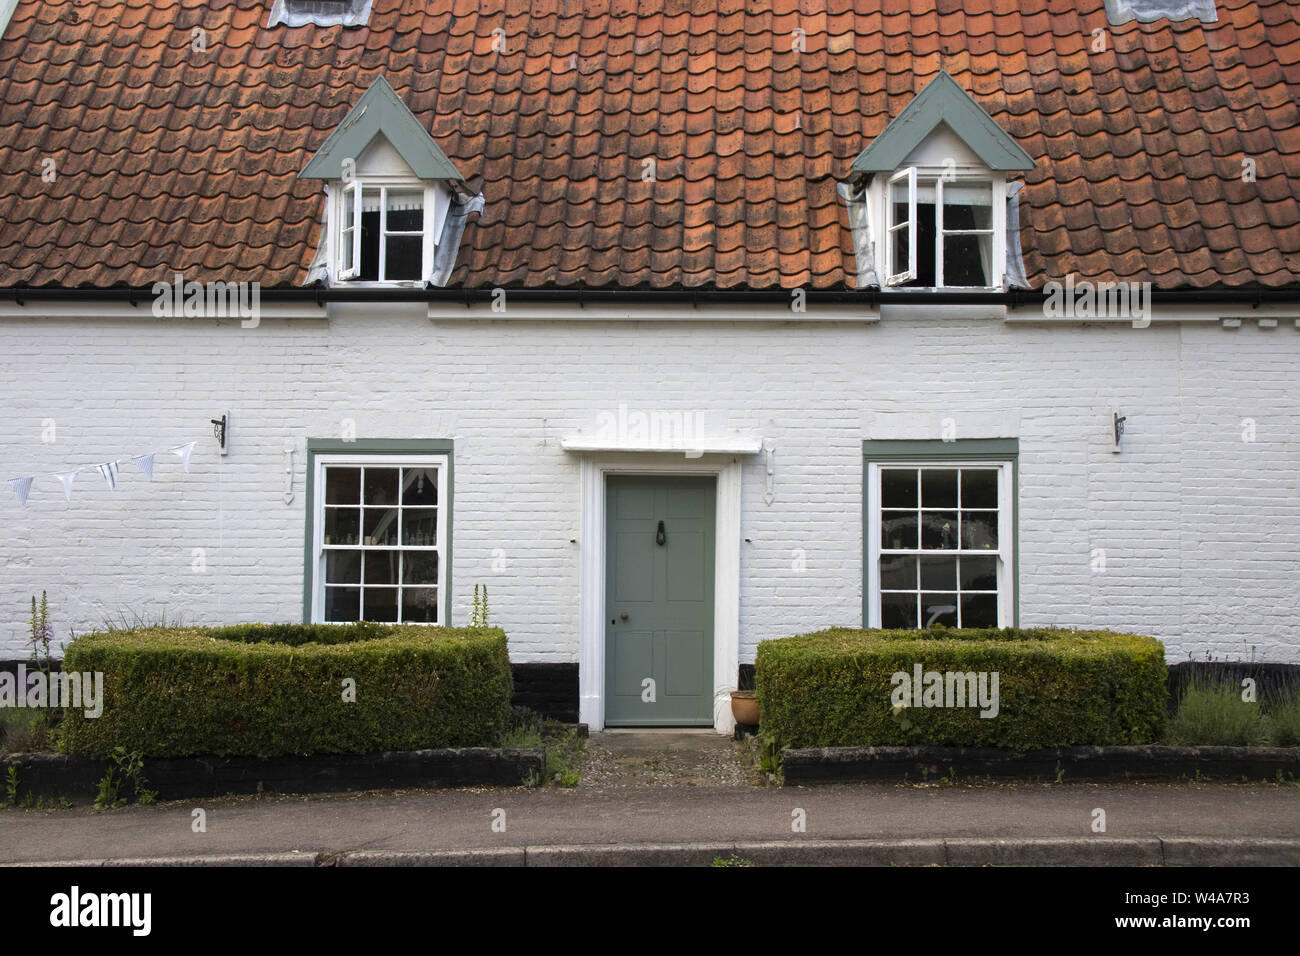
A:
(1201, 529)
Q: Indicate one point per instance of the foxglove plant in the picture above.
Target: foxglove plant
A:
(42, 632)
(478, 616)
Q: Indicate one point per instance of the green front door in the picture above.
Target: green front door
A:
(659, 543)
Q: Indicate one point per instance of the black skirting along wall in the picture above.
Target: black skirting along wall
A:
(549, 689)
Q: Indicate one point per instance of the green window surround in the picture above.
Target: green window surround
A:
(1004, 452)
(376, 451)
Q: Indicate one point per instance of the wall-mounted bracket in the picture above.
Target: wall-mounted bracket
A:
(221, 431)
(290, 447)
(769, 449)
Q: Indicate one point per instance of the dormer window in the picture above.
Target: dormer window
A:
(382, 236)
(941, 231)
(396, 206)
(928, 198)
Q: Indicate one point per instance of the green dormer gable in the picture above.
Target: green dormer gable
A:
(942, 101)
(380, 111)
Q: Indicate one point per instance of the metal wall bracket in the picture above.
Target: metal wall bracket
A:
(769, 449)
(290, 446)
(221, 431)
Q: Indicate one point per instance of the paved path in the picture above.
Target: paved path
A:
(425, 821)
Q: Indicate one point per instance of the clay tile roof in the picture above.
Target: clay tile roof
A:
(167, 159)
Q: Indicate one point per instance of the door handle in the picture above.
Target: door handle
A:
(623, 616)
(660, 537)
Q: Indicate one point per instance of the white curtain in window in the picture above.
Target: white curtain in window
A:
(400, 202)
(955, 193)
(397, 201)
(971, 194)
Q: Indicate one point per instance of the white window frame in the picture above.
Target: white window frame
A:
(895, 275)
(377, 460)
(916, 177)
(350, 236)
(941, 231)
(1005, 552)
(353, 191)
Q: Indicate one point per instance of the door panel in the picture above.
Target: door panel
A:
(685, 583)
(633, 569)
(631, 660)
(633, 502)
(685, 677)
(663, 648)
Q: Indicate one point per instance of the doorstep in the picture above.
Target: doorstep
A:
(702, 731)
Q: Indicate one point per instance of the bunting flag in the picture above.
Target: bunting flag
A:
(183, 453)
(66, 478)
(109, 470)
(145, 464)
(21, 487)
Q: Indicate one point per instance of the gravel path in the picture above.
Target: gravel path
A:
(620, 760)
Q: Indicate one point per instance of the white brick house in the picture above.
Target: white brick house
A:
(809, 405)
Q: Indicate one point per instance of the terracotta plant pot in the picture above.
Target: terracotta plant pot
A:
(744, 707)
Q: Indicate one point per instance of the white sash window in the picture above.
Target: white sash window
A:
(380, 538)
(940, 544)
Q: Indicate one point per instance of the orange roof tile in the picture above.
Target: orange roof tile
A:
(172, 159)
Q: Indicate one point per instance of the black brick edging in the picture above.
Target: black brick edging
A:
(854, 764)
(176, 778)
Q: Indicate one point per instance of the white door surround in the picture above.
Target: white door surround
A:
(591, 586)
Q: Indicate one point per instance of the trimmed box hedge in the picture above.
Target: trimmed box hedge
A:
(259, 690)
(1056, 688)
